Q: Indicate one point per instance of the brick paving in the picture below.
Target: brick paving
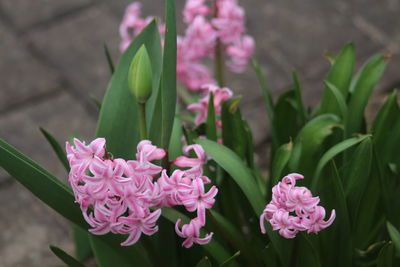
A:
(52, 59)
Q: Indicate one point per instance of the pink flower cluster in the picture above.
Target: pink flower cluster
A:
(220, 95)
(288, 198)
(205, 27)
(126, 197)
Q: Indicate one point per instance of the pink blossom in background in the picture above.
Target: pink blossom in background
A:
(125, 197)
(204, 28)
(240, 54)
(293, 209)
(193, 8)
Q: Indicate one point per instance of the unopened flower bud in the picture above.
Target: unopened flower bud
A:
(140, 76)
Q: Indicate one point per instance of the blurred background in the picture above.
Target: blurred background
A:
(52, 60)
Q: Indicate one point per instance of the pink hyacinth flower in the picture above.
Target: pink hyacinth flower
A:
(229, 21)
(316, 221)
(200, 39)
(137, 225)
(191, 232)
(282, 221)
(288, 198)
(240, 54)
(194, 8)
(81, 157)
(199, 200)
(195, 164)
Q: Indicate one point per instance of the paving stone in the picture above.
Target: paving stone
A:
(29, 227)
(23, 77)
(75, 46)
(25, 13)
(60, 115)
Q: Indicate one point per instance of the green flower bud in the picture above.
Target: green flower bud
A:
(140, 76)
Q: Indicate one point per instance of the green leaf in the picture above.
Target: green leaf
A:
(211, 126)
(236, 168)
(59, 197)
(386, 130)
(361, 89)
(308, 255)
(264, 86)
(168, 80)
(280, 161)
(57, 148)
(395, 236)
(119, 113)
(233, 132)
(204, 262)
(243, 177)
(109, 58)
(301, 109)
(105, 256)
(340, 100)
(340, 77)
(308, 144)
(357, 177)
(64, 257)
(229, 261)
(385, 258)
(334, 151)
(336, 237)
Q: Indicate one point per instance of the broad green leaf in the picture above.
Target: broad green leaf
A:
(204, 262)
(168, 80)
(240, 173)
(340, 100)
(59, 197)
(229, 261)
(266, 92)
(236, 168)
(109, 58)
(175, 146)
(358, 177)
(211, 127)
(370, 215)
(334, 151)
(57, 148)
(340, 77)
(64, 257)
(386, 130)
(280, 161)
(308, 144)
(301, 109)
(395, 236)
(216, 250)
(336, 237)
(368, 257)
(361, 89)
(233, 132)
(270, 257)
(118, 116)
(385, 258)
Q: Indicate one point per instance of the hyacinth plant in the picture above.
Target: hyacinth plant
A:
(171, 179)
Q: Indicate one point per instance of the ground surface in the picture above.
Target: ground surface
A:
(51, 60)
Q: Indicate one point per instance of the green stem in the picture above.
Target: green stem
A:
(142, 121)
